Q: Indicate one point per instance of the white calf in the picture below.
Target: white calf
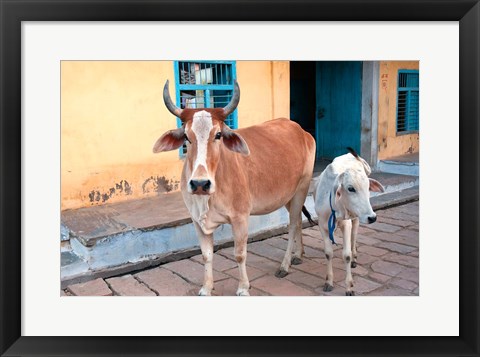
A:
(342, 199)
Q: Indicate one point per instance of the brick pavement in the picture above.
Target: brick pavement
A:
(388, 263)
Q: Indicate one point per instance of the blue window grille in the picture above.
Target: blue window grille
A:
(407, 101)
(205, 84)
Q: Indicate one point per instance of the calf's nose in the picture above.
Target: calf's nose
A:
(200, 184)
(372, 219)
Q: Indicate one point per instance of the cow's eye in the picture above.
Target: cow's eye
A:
(186, 138)
(218, 135)
(351, 189)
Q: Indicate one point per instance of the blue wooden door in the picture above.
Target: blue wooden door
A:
(339, 106)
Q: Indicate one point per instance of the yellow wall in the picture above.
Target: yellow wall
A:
(112, 113)
(389, 144)
(265, 91)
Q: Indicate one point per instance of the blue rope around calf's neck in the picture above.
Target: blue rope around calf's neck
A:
(331, 222)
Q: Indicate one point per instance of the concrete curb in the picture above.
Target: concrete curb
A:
(395, 198)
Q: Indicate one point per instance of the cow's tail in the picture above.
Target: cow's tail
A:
(308, 215)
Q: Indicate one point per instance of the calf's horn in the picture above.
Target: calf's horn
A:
(352, 151)
(172, 108)
(234, 101)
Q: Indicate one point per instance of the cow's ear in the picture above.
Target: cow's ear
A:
(171, 140)
(376, 186)
(235, 142)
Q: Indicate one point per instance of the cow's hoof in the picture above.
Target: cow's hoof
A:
(296, 261)
(243, 292)
(350, 293)
(205, 292)
(281, 273)
(353, 264)
(327, 287)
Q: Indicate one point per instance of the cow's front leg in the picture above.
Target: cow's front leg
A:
(329, 255)
(206, 245)
(240, 236)
(347, 255)
(355, 224)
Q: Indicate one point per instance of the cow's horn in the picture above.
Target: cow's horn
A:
(172, 108)
(234, 101)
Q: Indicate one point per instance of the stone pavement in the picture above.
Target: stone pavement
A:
(388, 263)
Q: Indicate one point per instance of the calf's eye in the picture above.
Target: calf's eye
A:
(218, 135)
(351, 189)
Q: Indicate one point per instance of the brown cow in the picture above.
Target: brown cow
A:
(229, 175)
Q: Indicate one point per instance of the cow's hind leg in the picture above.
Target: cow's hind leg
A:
(206, 245)
(297, 250)
(294, 233)
(240, 236)
(298, 202)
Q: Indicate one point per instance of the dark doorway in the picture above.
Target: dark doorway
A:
(326, 100)
(302, 95)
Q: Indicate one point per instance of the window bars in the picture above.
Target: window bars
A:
(205, 84)
(407, 101)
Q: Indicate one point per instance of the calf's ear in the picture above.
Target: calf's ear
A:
(171, 140)
(338, 192)
(376, 186)
(235, 142)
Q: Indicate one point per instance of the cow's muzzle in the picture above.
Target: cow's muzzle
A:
(200, 187)
(372, 219)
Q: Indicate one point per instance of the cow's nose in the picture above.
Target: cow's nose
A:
(202, 184)
(372, 219)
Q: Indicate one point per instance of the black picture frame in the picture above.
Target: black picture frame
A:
(13, 12)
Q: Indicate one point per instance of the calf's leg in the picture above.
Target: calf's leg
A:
(329, 255)
(355, 224)
(347, 255)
